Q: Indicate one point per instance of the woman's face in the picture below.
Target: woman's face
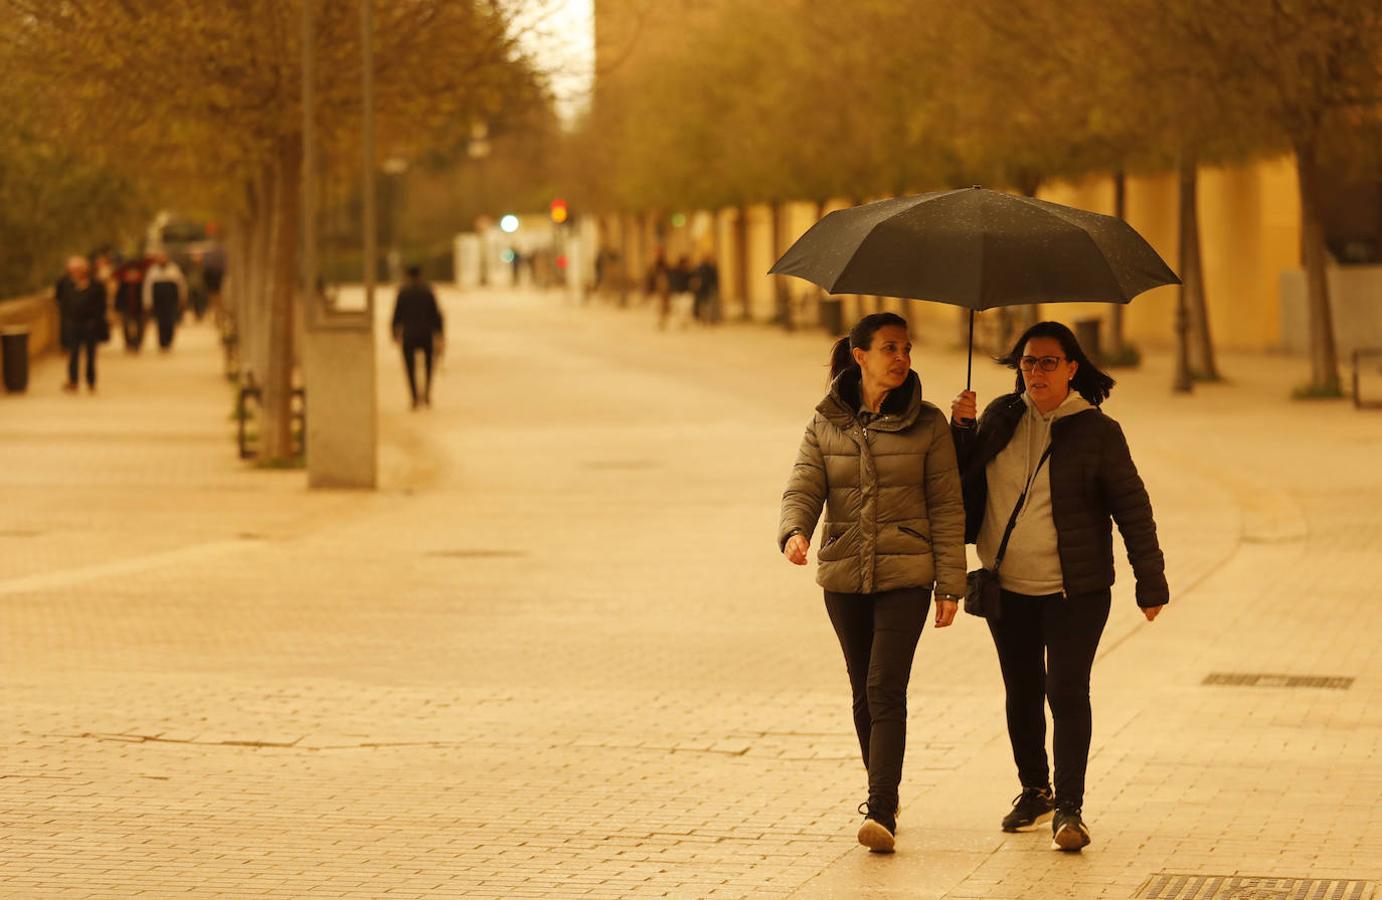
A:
(888, 359)
(1048, 388)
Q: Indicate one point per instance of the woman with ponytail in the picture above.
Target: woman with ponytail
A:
(879, 460)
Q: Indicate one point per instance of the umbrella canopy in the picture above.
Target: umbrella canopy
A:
(977, 249)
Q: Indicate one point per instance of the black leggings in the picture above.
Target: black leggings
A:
(1046, 648)
(878, 634)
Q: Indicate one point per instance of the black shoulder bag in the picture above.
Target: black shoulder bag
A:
(982, 597)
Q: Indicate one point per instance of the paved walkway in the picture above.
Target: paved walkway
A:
(556, 655)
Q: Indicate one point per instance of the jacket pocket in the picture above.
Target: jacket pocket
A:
(913, 532)
(836, 543)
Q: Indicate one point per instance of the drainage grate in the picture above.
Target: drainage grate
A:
(478, 554)
(1167, 886)
(1263, 679)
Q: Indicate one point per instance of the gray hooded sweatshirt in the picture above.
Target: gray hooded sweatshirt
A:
(1032, 562)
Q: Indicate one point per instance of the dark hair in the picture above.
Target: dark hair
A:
(413, 271)
(1090, 382)
(860, 336)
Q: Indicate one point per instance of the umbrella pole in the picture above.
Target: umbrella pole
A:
(969, 366)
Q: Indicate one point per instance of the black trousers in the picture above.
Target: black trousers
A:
(411, 347)
(1046, 648)
(132, 325)
(878, 634)
(166, 311)
(88, 343)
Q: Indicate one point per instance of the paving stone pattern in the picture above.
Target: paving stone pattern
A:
(557, 655)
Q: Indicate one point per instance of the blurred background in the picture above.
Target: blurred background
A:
(571, 144)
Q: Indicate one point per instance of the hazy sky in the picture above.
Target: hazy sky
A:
(561, 34)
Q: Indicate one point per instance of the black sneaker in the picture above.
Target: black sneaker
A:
(1068, 831)
(1031, 807)
(878, 832)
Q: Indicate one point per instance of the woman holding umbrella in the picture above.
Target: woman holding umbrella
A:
(881, 463)
(1046, 473)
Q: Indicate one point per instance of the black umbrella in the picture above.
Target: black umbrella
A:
(976, 249)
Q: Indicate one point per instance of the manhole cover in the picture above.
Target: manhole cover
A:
(1263, 679)
(1167, 886)
(477, 554)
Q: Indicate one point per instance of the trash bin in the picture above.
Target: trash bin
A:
(14, 345)
(832, 315)
(1087, 333)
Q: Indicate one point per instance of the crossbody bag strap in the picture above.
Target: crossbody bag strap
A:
(1021, 501)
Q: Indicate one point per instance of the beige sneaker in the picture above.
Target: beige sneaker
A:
(877, 832)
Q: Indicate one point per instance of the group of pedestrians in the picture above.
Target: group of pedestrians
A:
(684, 293)
(142, 288)
(1036, 482)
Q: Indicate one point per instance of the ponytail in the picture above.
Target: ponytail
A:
(840, 358)
(860, 336)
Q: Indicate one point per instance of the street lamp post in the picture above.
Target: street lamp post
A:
(395, 167)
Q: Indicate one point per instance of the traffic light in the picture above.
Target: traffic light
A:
(559, 211)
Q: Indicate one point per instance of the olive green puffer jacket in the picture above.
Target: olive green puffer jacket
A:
(894, 512)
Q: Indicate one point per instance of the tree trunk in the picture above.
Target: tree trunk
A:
(1115, 319)
(1014, 320)
(278, 375)
(256, 327)
(782, 298)
(1324, 355)
(817, 215)
(235, 293)
(1186, 253)
(1201, 347)
(741, 260)
(626, 271)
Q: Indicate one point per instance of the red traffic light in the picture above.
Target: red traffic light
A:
(559, 211)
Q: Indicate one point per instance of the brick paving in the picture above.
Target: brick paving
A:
(555, 655)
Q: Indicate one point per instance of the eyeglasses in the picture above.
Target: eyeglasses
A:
(1045, 363)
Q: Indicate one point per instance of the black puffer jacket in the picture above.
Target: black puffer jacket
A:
(1093, 484)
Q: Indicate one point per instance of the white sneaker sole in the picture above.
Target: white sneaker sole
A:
(1070, 840)
(877, 838)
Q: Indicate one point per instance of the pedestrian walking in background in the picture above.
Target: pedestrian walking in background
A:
(656, 286)
(881, 463)
(165, 293)
(81, 301)
(679, 289)
(214, 266)
(1046, 473)
(196, 286)
(418, 328)
(705, 282)
(129, 303)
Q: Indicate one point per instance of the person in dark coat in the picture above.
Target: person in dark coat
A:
(706, 281)
(1051, 443)
(129, 303)
(81, 303)
(656, 285)
(417, 327)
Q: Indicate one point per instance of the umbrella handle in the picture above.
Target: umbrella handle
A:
(969, 366)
